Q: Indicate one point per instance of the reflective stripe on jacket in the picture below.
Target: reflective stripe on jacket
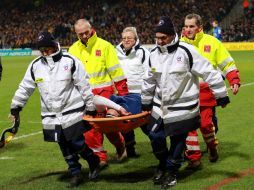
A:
(100, 60)
(64, 91)
(212, 49)
(171, 85)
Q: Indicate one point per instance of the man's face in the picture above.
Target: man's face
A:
(83, 31)
(163, 39)
(191, 28)
(214, 24)
(47, 51)
(128, 40)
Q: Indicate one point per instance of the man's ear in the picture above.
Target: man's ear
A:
(200, 28)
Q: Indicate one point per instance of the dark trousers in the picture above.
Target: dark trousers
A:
(74, 148)
(215, 120)
(171, 159)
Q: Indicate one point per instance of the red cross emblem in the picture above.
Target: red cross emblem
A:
(207, 48)
(98, 52)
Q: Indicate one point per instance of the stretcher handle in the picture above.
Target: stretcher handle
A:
(129, 117)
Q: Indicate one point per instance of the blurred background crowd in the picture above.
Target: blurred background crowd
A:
(22, 20)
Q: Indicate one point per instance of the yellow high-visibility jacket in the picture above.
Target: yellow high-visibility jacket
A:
(212, 49)
(101, 63)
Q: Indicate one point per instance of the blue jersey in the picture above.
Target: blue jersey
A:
(131, 102)
(217, 33)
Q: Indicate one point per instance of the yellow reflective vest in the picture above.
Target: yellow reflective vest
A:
(100, 60)
(212, 49)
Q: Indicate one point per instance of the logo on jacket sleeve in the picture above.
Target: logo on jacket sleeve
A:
(98, 53)
(207, 48)
(39, 80)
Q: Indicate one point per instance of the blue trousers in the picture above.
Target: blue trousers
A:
(173, 158)
(74, 148)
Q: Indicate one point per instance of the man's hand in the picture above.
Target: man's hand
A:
(235, 88)
(11, 117)
(124, 112)
(88, 116)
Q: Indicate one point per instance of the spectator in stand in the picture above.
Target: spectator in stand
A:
(216, 30)
(246, 5)
(105, 73)
(133, 59)
(212, 49)
(59, 15)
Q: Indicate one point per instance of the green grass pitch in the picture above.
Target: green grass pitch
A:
(30, 163)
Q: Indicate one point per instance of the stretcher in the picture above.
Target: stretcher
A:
(118, 124)
(9, 133)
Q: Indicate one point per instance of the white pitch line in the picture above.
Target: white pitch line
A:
(16, 138)
(248, 84)
(8, 121)
(243, 85)
(28, 135)
(6, 158)
(39, 132)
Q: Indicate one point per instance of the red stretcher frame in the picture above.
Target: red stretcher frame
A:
(119, 124)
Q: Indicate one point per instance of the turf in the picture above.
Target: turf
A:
(35, 164)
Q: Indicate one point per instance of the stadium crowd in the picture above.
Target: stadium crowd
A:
(19, 25)
(242, 29)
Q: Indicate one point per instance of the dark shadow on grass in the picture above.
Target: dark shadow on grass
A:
(145, 172)
(63, 175)
(139, 175)
(128, 177)
(228, 149)
(211, 172)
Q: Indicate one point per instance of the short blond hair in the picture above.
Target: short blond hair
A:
(131, 29)
(197, 17)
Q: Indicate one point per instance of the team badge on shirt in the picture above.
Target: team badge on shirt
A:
(207, 48)
(98, 52)
(179, 59)
(66, 67)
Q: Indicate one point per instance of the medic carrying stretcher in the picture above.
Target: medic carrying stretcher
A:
(113, 117)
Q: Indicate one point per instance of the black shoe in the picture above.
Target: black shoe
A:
(169, 181)
(158, 176)
(75, 181)
(131, 153)
(213, 154)
(94, 172)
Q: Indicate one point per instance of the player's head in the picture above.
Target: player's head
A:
(164, 31)
(83, 30)
(129, 37)
(215, 23)
(46, 43)
(192, 25)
